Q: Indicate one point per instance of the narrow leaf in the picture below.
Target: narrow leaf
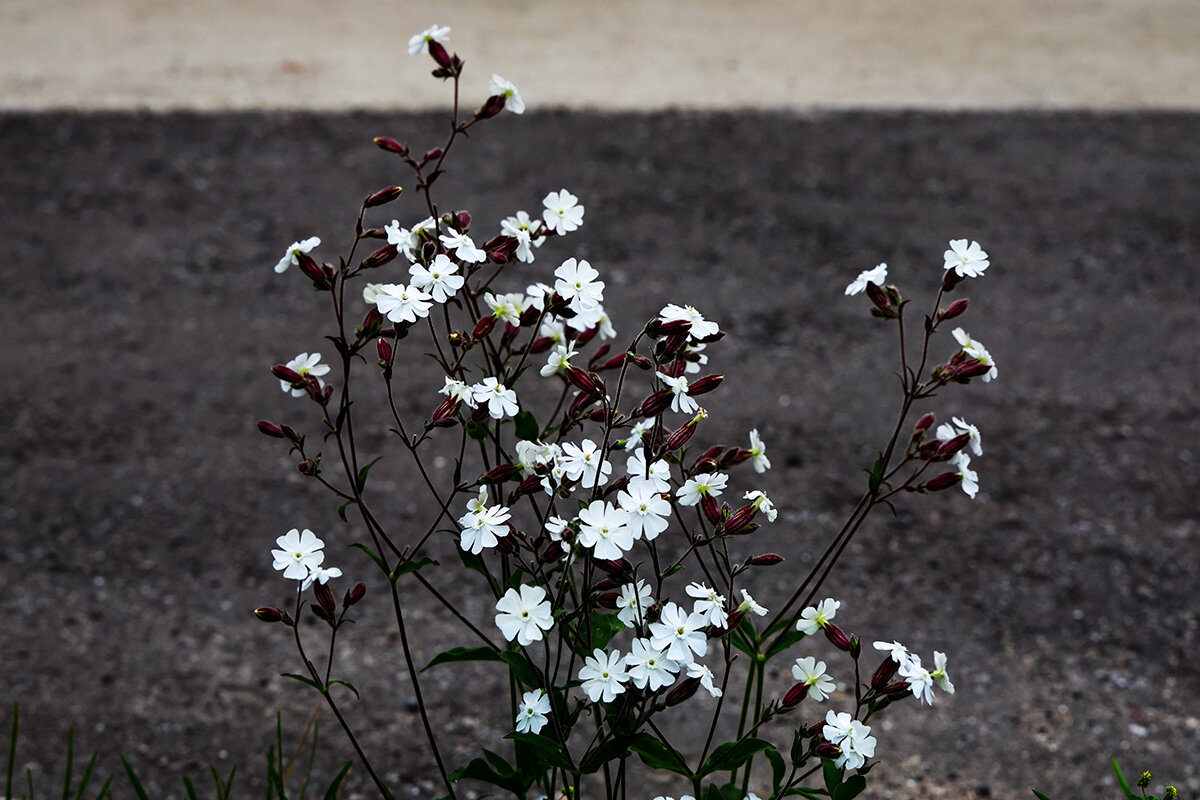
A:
(464, 654)
(545, 749)
(656, 755)
(778, 768)
(412, 566)
(305, 680)
(731, 755)
(362, 474)
(332, 792)
(347, 684)
(784, 641)
(342, 510)
(379, 562)
(1039, 795)
(138, 789)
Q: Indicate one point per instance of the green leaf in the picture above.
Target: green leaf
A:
(478, 431)
(480, 770)
(347, 684)
(832, 775)
(342, 509)
(87, 776)
(332, 792)
(739, 641)
(545, 749)
(455, 654)
(191, 790)
(362, 474)
(522, 668)
(778, 768)
(850, 788)
(12, 752)
(473, 561)
(808, 794)
(875, 475)
(604, 628)
(1039, 795)
(374, 556)
(731, 755)
(656, 755)
(729, 791)
(305, 680)
(526, 426)
(412, 566)
(784, 641)
(138, 789)
(1121, 780)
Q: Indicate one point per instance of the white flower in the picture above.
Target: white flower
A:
(758, 453)
(748, 604)
(967, 262)
(635, 599)
(603, 676)
(708, 484)
(563, 213)
(531, 714)
(701, 671)
(853, 737)
(681, 402)
(501, 401)
(946, 432)
(408, 239)
(647, 510)
(708, 604)
(420, 43)
(464, 249)
(512, 98)
(763, 504)
(679, 634)
(298, 553)
(531, 455)
(657, 476)
(482, 526)
(305, 364)
(701, 328)
(649, 666)
(919, 679)
(939, 673)
(585, 463)
(523, 229)
(506, 307)
(321, 575)
(812, 674)
(975, 350)
(524, 616)
(556, 527)
(401, 303)
(559, 359)
(897, 651)
(459, 391)
(605, 530)
(577, 279)
(370, 291)
(634, 442)
(817, 616)
(970, 480)
(876, 276)
(693, 365)
(591, 316)
(440, 279)
(292, 256)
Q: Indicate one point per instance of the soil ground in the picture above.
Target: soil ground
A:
(139, 505)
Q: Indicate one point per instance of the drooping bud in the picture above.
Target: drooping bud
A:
(829, 750)
(501, 473)
(614, 567)
(705, 384)
(765, 560)
(607, 599)
(793, 697)
(924, 423)
(287, 374)
(356, 593)
(683, 691)
(656, 402)
(951, 279)
(380, 257)
(325, 597)
(484, 327)
(878, 297)
(884, 674)
(383, 196)
(313, 271)
(836, 637)
(956, 308)
(269, 429)
(390, 145)
(586, 382)
(439, 54)
(944, 481)
(948, 448)
(268, 614)
(491, 107)
(309, 468)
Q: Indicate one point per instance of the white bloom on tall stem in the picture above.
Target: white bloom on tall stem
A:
(577, 279)
(585, 463)
(524, 615)
(946, 432)
(758, 453)
(708, 604)
(523, 229)
(563, 213)
(459, 391)
(707, 484)
(501, 401)
(679, 634)
(701, 328)
(464, 249)
(748, 605)
(968, 261)
(305, 364)
(705, 674)
(512, 98)
(298, 553)
(603, 675)
(975, 350)
(853, 737)
(482, 526)
(408, 239)
(970, 479)
(401, 303)
(876, 276)
(647, 510)
(635, 599)
(440, 279)
(634, 441)
(657, 476)
(763, 504)
(420, 43)
(506, 307)
(605, 530)
(649, 667)
(558, 360)
(531, 713)
(320, 575)
(897, 651)
(292, 256)
(812, 674)
(818, 616)
(919, 679)
(681, 402)
(939, 673)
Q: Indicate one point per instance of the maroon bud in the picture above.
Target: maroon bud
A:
(951, 279)
(585, 381)
(312, 270)
(684, 432)
(432, 154)
(291, 434)
(483, 327)
(712, 454)
(740, 519)
(602, 414)
(373, 321)
(325, 598)
(313, 387)
(385, 351)
(491, 107)
(540, 345)
(446, 414)
(674, 327)
(380, 257)
(734, 456)
(956, 308)
(268, 614)
(816, 729)
(580, 403)
(530, 485)
(898, 690)
(829, 750)
(735, 619)
(462, 220)
(613, 362)
(319, 611)
(306, 468)
(705, 384)
(383, 196)
(501, 473)
(274, 431)
(390, 145)
(614, 567)
(439, 54)
(356, 593)
(924, 423)
(641, 362)
(765, 560)
(948, 448)
(971, 369)
(884, 674)
(605, 584)
(287, 374)
(835, 636)
(794, 696)
(878, 296)
(656, 402)
(607, 599)
(586, 336)
(944, 481)
(683, 691)
(712, 511)
(553, 552)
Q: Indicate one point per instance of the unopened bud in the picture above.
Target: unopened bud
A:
(312, 270)
(385, 351)
(765, 560)
(614, 567)
(585, 381)
(308, 468)
(325, 598)
(956, 308)
(439, 54)
(541, 345)
(507, 544)
(483, 327)
(794, 696)
(445, 414)
(948, 448)
(268, 429)
(380, 257)
(501, 473)
(580, 403)
(829, 750)
(898, 690)
(924, 423)
(613, 362)
(884, 674)
(878, 297)
(491, 107)
(357, 592)
(553, 552)
(944, 481)
(607, 599)
(268, 614)
(951, 279)
(602, 414)
(641, 362)
(287, 374)
(684, 433)
(390, 145)
(740, 519)
(383, 196)
(836, 637)
(705, 384)
(971, 369)
(683, 691)
(712, 511)
(656, 402)
(435, 152)
(530, 485)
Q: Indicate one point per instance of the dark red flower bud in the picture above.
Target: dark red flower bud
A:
(924, 423)
(390, 145)
(816, 729)
(432, 154)
(586, 336)
(948, 448)
(313, 387)
(712, 454)
(944, 481)
(380, 257)
(951, 279)
(501, 473)
(553, 552)
(371, 323)
(491, 107)
(829, 750)
(656, 402)
(794, 696)
(614, 567)
(602, 414)
(898, 690)
(641, 362)
(385, 351)
(735, 619)
(605, 584)
(705, 384)
(675, 326)
(267, 428)
(712, 511)
(956, 308)
(357, 592)
(607, 599)
(581, 402)
(683, 691)
(684, 432)
(319, 611)
(835, 636)
(765, 560)
(325, 597)
(268, 614)
(734, 456)
(740, 519)
(884, 674)
(585, 381)
(383, 196)
(878, 297)
(530, 485)
(613, 362)
(313, 271)
(483, 327)
(439, 54)
(291, 434)
(287, 374)
(971, 369)
(540, 345)
(309, 468)
(446, 414)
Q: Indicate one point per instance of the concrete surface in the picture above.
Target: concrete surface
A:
(611, 55)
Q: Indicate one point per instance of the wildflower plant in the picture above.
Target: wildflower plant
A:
(601, 531)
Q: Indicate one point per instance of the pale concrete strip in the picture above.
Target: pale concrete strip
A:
(604, 54)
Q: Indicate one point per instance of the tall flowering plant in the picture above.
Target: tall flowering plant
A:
(601, 531)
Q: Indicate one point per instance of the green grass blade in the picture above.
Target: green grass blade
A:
(189, 788)
(1121, 780)
(1040, 796)
(331, 792)
(12, 753)
(104, 793)
(87, 776)
(29, 781)
(70, 763)
(134, 781)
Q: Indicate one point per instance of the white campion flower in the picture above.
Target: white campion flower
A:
(694, 357)
(679, 634)
(708, 604)
(292, 256)
(408, 239)
(748, 604)
(708, 484)
(763, 504)
(920, 681)
(556, 527)
(876, 276)
(531, 714)
(464, 249)
(657, 475)
(758, 453)
(897, 651)
(970, 479)
(634, 442)
(812, 674)
(649, 667)
(939, 673)
(585, 463)
(853, 737)
(299, 553)
(305, 364)
(459, 391)
(562, 213)
(681, 401)
(701, 328)
(647, 510)
(946, 432)
(524, 615)
(369, 293)
(531, 455)
(975, 350)
(591, 316)
(420, 43)
(512, 98)
(705, 674)
(558, 360)
(320, 575)
(482, 526)
(523, 229)
(501, 401)
(577, 279)
(605, 530)
(603, 675)
(401, 303)
(818, 616)
(635, 599)
(440, 279)
(506, 307)
(967, 261)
